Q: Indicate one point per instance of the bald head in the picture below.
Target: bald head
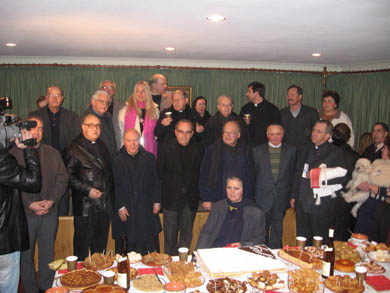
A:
(158, 84)
(225, 105)
(131, 141)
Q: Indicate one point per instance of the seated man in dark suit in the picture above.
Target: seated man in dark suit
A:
(235, 221)
(275, 169)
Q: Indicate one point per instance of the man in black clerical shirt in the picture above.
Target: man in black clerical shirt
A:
(258, 113)
(115, 105)
(298, 120)
(158, 88)
(91, 182)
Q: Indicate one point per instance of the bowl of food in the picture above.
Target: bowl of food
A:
(175, 286)
(358, 239)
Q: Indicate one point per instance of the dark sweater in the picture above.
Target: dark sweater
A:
(297, 130)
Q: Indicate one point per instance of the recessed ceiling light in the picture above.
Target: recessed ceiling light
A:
(170, 49)
(215, 18)
(316, 54)
(10, 45)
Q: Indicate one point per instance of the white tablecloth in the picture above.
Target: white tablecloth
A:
(282, 275)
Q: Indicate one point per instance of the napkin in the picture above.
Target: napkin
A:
(379, 283)
(150, 271)
(79, 267)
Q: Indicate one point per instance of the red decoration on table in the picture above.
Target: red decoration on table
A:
(150, 271)
(379, 283)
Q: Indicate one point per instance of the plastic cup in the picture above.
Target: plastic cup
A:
(108, 277)
(301, 241)
(317, 241)
(183, 254)
(361, 273)
(71, 261)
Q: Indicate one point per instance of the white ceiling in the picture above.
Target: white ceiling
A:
(346, 32)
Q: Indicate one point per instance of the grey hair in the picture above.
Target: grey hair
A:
(220, 98)
(100, 92)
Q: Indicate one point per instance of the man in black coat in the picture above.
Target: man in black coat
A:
(100, 102)
(178, 163)
(90, 180)
(13, 224)
(213, 128)
(316, 219)
(261, 113)
(226, 157)
(275, 168)
(137, 197)
(165, 126)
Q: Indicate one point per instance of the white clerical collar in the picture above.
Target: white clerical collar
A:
(274, 146)
(379, 146)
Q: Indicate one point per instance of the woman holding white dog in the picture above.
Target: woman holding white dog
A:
(373, 219)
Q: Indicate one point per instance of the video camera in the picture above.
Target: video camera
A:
(10, 125)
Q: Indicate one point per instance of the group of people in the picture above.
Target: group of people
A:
(122, 163)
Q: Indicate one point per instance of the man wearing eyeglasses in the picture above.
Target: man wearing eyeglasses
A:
(90, 179)
(100, 103)
(61, 127)
(42, 211)
(223, 159)
(178, 162)
(115, 105)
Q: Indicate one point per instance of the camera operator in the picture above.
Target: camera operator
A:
(13, 225)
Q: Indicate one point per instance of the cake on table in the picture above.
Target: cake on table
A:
(231, 262)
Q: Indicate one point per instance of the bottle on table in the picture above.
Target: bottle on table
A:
(329, 256)
(123, 266)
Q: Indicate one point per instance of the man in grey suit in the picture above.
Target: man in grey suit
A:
(115, 105)
(275, 167)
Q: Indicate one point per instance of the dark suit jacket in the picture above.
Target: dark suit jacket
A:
(268, 192)
(253, 232)
(70, 126)
(179, 188)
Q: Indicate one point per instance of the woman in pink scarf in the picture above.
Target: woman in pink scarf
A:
(140, 113)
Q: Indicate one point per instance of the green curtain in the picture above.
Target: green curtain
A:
(364, 97)
(25, 84)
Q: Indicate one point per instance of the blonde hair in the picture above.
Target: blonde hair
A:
(150, 108)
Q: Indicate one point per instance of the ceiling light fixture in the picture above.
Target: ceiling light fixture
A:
(10, 45)
(170, 49)
(216, 18)
(316, 54)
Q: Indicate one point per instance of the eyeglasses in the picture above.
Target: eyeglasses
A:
(54, 96)
(102, 102)
(93, 126)
(182, 132)
(230, 133)
(106, 87)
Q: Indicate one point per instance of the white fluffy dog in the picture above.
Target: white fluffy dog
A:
(360, 174)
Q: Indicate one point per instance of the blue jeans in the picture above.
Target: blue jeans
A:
(9, 272)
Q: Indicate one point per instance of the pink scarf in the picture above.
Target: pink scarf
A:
(148, 133)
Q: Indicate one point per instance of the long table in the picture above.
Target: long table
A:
(283, 275)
